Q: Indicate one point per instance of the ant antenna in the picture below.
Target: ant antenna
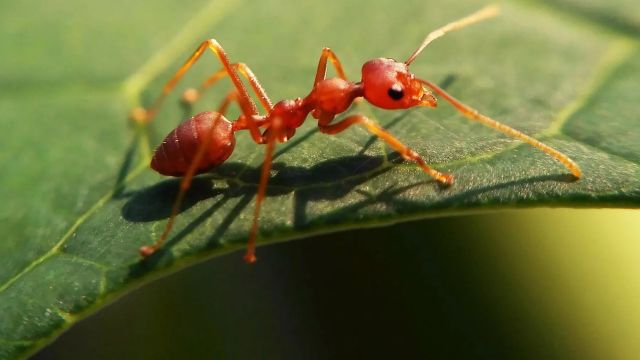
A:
(482, 14)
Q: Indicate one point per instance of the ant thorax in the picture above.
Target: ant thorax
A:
(334, 95)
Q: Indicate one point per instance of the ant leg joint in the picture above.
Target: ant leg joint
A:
(410, 154)
(213, 43)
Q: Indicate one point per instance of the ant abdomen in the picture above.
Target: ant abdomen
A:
(178, 150)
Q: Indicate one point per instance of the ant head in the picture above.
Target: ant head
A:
(389, 84)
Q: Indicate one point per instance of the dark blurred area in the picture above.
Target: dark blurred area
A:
(526, 284)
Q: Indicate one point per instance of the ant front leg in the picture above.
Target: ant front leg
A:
(191, 95)
(145, 115)
(397, 145)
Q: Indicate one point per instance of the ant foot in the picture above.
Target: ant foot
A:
(576, 173)
(250, 258)
(139, 115)
(146, 251)
(190, 96)
(446, 179)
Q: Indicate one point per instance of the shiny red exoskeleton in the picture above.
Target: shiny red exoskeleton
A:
(208, 139)
(174, 156)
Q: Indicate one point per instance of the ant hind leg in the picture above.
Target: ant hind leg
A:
(143, 115)
(271, 135)
(185, 183)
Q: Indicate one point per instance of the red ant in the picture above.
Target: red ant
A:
(207, 139)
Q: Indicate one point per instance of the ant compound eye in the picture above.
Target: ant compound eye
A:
(395, 92)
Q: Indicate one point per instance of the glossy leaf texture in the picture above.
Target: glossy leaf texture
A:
(78, 199)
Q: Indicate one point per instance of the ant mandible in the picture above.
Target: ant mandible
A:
(207, 139)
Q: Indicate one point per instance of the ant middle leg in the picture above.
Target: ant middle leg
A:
(321, 72)
(270, 137)
(405, 151)
(145, 115)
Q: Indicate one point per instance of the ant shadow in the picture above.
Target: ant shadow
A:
(327, 180)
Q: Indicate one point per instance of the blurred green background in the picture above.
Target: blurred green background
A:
(526, 284)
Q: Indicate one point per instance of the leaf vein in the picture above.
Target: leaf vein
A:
(58, 245)
(214, 12)
(620, 51)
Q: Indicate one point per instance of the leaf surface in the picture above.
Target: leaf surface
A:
(79, 200)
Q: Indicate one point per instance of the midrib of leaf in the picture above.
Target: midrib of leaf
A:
(573, 16)
(616, 55)
(15, 342)
(81, 219)
(177, 46)
(132, 87)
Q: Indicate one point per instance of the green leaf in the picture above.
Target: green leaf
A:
(79, 200)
